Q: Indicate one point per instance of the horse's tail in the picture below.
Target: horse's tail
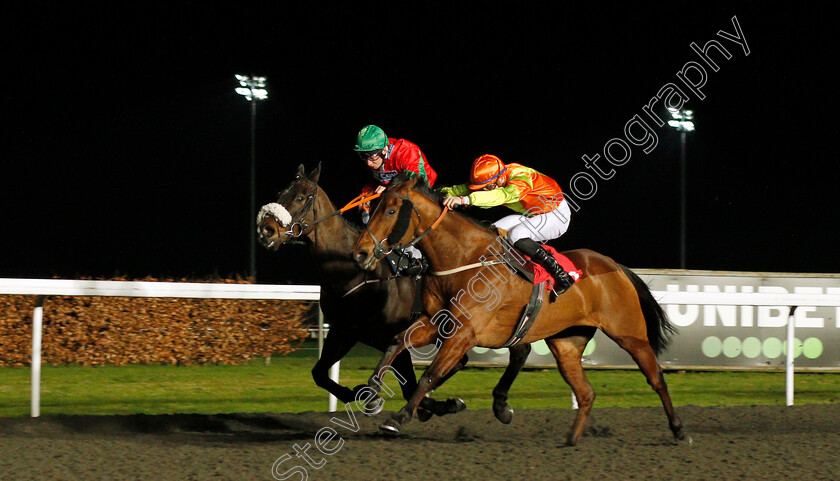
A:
(659, 329)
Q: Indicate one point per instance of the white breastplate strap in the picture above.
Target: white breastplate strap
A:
(466, 267)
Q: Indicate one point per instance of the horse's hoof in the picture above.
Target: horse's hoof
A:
(390, 427)
(371, 394)
(424, 415)
(455, 405)
(503, 414)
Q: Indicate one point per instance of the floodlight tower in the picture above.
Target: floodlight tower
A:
(682, 121)
(253, 89)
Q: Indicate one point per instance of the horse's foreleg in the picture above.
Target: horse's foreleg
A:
(405, 370)
(451, 405)
(518, 356)
(448, 356)
(419, 334)
(428, 406)
(336, 346)
(645, 358)
(408, 384)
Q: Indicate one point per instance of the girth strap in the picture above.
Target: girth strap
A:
(417, 304)
(532, 309)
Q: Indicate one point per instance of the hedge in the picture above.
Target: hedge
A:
(92, 331)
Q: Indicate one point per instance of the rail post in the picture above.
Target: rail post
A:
(789, 363)
(35, 379)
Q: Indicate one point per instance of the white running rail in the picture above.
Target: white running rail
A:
(42, 288)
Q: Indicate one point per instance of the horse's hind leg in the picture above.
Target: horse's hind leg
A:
(518, 356)
(568, 349)
(644, 356)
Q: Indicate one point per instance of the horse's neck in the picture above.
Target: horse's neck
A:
(455, 242)
(330, 243)
(331, 235)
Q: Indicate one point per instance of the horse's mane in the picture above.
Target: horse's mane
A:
(352, 225)
(349, 223)
(437, 197)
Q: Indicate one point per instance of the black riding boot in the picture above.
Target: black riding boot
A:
(536, 252)
(415, 267)
(404, 265)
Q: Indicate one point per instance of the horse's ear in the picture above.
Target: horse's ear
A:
(313, 176)
(412, 182)
(301, 171)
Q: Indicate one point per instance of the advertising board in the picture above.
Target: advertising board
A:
(723, 336)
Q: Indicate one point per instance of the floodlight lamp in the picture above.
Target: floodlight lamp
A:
(682, 125)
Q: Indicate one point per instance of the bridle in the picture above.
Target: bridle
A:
(400, 228)
(297, 227)
(300, 227)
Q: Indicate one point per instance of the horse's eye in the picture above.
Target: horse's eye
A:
(392, 212)
(299, 199)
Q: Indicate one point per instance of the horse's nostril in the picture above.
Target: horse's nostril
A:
(267, 231)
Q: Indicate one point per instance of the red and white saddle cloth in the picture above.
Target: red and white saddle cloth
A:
(541, 275)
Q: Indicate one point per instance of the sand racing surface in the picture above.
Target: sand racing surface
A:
(752, 442)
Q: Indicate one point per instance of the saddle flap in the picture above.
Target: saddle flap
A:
(535, 273)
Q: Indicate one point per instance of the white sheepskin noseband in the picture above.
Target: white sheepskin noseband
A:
(277, 211)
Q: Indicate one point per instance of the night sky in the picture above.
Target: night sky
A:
(126, 151)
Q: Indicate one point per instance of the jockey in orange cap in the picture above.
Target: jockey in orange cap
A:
(543, 212)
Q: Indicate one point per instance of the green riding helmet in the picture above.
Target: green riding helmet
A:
(370, 138)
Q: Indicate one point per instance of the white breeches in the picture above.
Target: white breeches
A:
(541, 227)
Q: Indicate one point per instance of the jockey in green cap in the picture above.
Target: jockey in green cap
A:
(386, 158)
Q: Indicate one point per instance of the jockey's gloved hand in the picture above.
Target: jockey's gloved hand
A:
(457, 200)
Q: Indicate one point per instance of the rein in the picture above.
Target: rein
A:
(467, 267)
(301, 223)
(366, 282)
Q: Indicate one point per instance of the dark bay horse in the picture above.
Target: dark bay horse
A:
(481, 307)
(374, 312)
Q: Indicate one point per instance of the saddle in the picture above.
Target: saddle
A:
(532, 271)
(542, 281)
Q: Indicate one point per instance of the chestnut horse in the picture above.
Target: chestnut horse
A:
(481, 306)
(374, 312)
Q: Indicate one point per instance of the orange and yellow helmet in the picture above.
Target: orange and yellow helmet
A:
(485, 169)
